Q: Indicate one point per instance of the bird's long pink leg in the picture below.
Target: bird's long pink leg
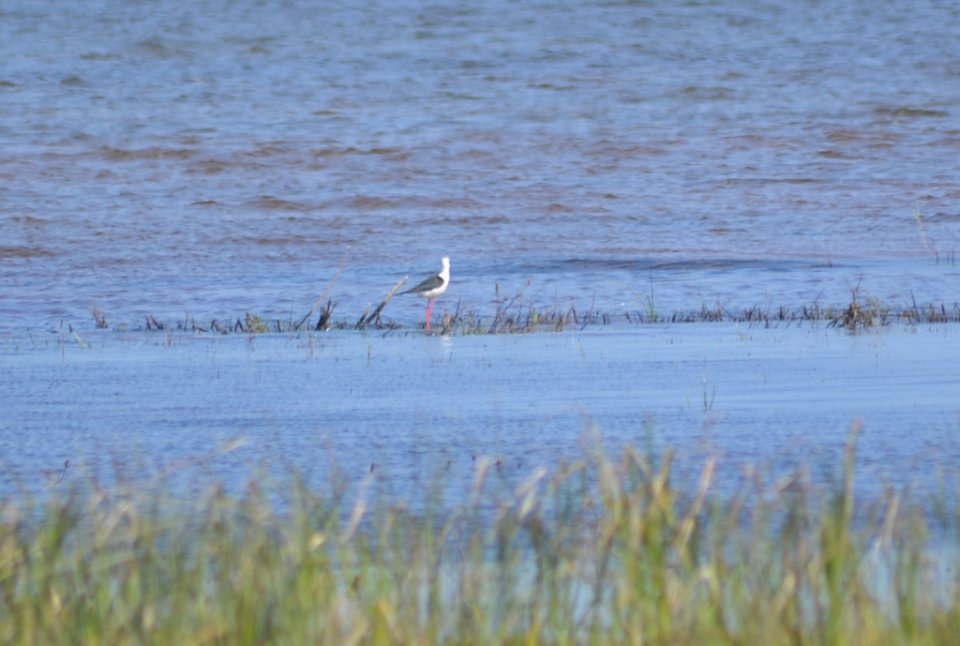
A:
(429, 312)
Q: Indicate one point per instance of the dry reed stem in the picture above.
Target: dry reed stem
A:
(375, 315)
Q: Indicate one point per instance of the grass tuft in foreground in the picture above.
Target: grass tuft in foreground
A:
(598, 552)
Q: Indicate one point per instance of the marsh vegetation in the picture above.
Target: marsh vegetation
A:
(515, 315)
(600, 550)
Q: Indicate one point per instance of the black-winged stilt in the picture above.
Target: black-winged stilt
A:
(433, 287)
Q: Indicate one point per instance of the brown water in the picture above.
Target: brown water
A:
(216, 159)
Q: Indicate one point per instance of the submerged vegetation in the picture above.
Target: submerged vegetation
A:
(598, 551)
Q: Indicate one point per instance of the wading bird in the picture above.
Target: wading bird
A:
(433, 287)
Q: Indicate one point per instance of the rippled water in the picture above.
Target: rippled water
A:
(413, 408)
(218, 158)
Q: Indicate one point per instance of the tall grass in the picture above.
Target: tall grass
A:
(598, 551)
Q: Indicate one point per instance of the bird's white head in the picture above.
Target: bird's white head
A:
(445, 272)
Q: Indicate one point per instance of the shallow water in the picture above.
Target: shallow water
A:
(231, 157)
(212, 160)
(412, 408)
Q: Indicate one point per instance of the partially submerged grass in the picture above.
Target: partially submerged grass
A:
(598, 551)
(516, 316)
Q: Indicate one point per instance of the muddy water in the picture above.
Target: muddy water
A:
(412, 407)
(229, 157)
(211, 160)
